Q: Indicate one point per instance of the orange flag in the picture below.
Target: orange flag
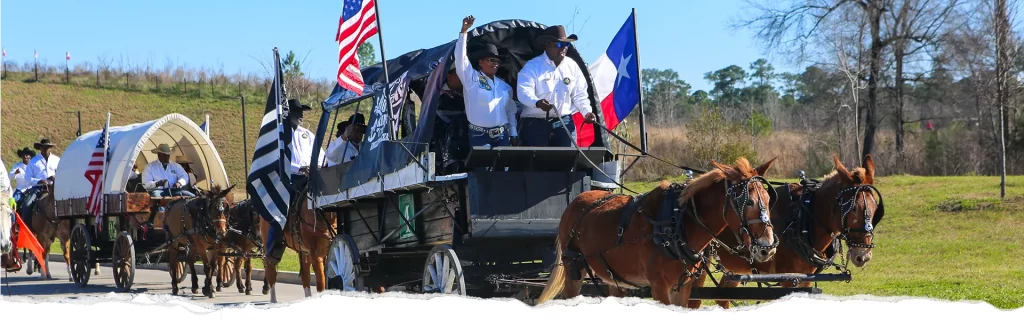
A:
(28, 241)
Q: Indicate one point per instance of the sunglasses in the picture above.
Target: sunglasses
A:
(561, 45)
(493, 60)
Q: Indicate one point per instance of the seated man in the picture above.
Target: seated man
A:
(350, 135)
(163, 177)
(41, 172)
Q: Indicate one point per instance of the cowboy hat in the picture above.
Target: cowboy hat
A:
(554, 33)
(487, 50)
(181, 160)
(23, 152)
(45, 142)
(357, 119)
(295, 106)
(162, 149)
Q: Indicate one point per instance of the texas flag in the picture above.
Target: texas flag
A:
(615, 75)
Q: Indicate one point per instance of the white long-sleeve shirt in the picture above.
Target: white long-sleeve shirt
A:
(337, 154)
(302, 149)
(18, 176)
(40, 169)
(5, 183)
(563, 86)
(156, 171)
(488, 101)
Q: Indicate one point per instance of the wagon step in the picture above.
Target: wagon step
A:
(737, 294)
(788, 277)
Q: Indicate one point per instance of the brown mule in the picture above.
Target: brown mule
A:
(309, 233)
(48, 228)
(242, 239)
(607, 235)
(843, 204)
(196, 225)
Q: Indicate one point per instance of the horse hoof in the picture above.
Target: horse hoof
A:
(241, 290)
(174, 292)
(207, 292)
(266, 291)
(218, 289)
(195, 291)
(248, 292)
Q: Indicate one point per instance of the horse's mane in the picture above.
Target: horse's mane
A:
(742, 170)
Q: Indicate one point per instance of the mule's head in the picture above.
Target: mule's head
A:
(217, 207)
(858, 209)
(749, 199)
(6, 222)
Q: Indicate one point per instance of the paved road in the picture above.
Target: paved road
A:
(146, 281)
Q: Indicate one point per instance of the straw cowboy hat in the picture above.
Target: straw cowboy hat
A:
(553, 33)
(162, 149)
(44, 143)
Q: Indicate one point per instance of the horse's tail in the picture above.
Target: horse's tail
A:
(556, 281)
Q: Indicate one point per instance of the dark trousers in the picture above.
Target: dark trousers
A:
(28, 203)
(537, 132)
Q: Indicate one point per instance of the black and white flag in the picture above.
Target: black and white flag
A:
(269, 185)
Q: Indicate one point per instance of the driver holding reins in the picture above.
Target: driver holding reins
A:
(41, 172)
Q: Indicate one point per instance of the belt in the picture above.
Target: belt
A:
(492, 132)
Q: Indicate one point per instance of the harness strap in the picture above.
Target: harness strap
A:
(627, 214)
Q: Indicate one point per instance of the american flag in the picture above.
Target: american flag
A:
(94, 172)
(68, 55)
(358, 23)
(268, 182)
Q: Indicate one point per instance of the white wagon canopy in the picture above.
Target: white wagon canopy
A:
(132, 145)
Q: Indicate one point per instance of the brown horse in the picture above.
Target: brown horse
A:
(196, 225)
(309, 233)
(611, 234)
(243, 237)
(48, 228)
(841, 209)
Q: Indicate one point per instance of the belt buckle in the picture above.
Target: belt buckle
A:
(494, 132)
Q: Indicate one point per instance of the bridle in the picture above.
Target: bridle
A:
(848, 205)
(738, 195)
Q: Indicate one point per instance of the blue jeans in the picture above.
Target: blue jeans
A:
(537, 132)
(17, 196)
(477, 138)
(28, 203)
(170, 192)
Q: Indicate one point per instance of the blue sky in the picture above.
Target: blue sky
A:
(691, 37)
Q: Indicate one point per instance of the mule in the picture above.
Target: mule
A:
(843, 208)
(196, 225)
(309, 233)
(48, 228)
(655, 240)
(243, 237)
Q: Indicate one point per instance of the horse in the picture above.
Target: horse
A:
(6, 223)
(196, 225)
(665, 232)
(840, 210)
(47, 228)
(243, 236)
(309, 232)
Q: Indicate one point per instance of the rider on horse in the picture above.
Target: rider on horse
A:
(41, 172)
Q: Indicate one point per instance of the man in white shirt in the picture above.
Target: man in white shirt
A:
(40, 172)
(301, 148)
(346, 147)
(490, 109)
(17, 177)
(165, 178)
(551, 89)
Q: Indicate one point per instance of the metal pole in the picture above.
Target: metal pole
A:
(79, 133)
(639, 82)
(245, 146)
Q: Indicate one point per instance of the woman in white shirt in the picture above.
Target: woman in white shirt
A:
(17, 177)
(490, 109)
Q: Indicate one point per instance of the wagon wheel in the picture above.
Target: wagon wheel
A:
(442, 272)
(81, 254)
(182, 272)
(123, 261)
(227, 271)
(341, 264)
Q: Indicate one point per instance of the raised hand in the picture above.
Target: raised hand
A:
(467, 22)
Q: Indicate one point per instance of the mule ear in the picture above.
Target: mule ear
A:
(869, 168)
(764, 167)
(224, 193)
(843, 172)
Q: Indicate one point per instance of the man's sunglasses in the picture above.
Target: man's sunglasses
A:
(561, 45)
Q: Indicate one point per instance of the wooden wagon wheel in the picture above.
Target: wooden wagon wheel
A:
(342, 258)
(442, 272)
(182, 271)
(227, 271)
(123, 261)
(81, 254)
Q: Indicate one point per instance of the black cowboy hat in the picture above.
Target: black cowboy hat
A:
(45, 142)
(295, 106)
(357, 119)
(340, 128)
(487, 50)
(554, 33)
(23, 152)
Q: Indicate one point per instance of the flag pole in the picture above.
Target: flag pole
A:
(277, 104)
(384, 64)
(639, 82)
(103, 179)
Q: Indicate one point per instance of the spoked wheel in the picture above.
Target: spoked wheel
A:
(123, 261)
(182, 272)
(342, 258)
(227, 271)
(442, 272)
(81, 254)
